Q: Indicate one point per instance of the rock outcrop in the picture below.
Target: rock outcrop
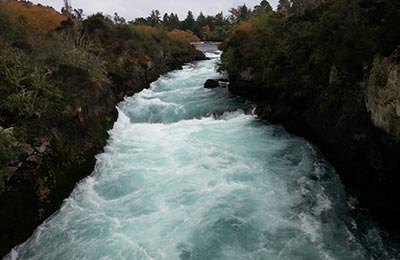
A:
(382, 94)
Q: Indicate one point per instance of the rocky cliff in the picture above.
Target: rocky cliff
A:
(355, 125)
(51, 164)
(382, 94)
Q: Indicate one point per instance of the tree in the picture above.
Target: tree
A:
(201, 20)
(119, 19)
(140, 21)
(174, 21)
(284, 6)
(206, 32)
(294, 6)
(171, 21)
(189, 22)
(219, 19)
(263, 7)
(166, 19)
(241, 13)
(154, 18)
(299, 5)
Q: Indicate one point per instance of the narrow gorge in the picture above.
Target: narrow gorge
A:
(192, 173)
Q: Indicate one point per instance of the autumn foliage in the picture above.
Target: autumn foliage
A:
(147, 29)
(187, 35)
(244, 27)
(41, 18)
(206, 32)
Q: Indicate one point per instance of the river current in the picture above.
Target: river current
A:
(191, 173)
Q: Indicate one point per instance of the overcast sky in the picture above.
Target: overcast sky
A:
(131, 9)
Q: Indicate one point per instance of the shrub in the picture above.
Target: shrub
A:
(41, 18)
(8, 151)
(187, 35)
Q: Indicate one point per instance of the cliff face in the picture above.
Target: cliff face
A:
(355, 125)
(53, 163)
(382, 93)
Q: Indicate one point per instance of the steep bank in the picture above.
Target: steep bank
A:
(330, 74)
(187, 173)
(357, 134)
(58, 94)
(55, 162)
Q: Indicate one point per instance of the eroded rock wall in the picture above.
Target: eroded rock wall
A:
(382, 94)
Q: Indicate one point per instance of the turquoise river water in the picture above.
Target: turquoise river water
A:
(191, 173)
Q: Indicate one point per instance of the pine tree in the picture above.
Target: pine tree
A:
(263, 7)
(201, 20)
(166, 19)
(189, 22)
(241, 13)
(174, 21)
(284, 6)
(154, 18)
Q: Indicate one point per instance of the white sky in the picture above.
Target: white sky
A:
(130, 9)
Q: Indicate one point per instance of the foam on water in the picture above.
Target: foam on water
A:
(190, 173)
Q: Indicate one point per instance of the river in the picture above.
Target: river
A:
(191, 173)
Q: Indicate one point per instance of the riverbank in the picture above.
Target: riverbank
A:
(55, 164)
(364, 155)
(330, 73)
(191, 173)
(58, 95)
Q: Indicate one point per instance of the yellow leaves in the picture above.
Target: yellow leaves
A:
(187, 36)
(41, 18)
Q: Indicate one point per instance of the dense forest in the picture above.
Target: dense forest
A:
(207, 28)
(203, 27)
(328, 71)
(298, 46)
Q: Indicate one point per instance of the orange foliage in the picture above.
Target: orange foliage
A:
(187, 35)
(41, 18)
(206, 31)
(149, 30)
(244, 27)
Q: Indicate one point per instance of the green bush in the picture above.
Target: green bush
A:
(8, 151)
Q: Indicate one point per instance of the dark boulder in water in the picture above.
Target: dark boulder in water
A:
(211, 83)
